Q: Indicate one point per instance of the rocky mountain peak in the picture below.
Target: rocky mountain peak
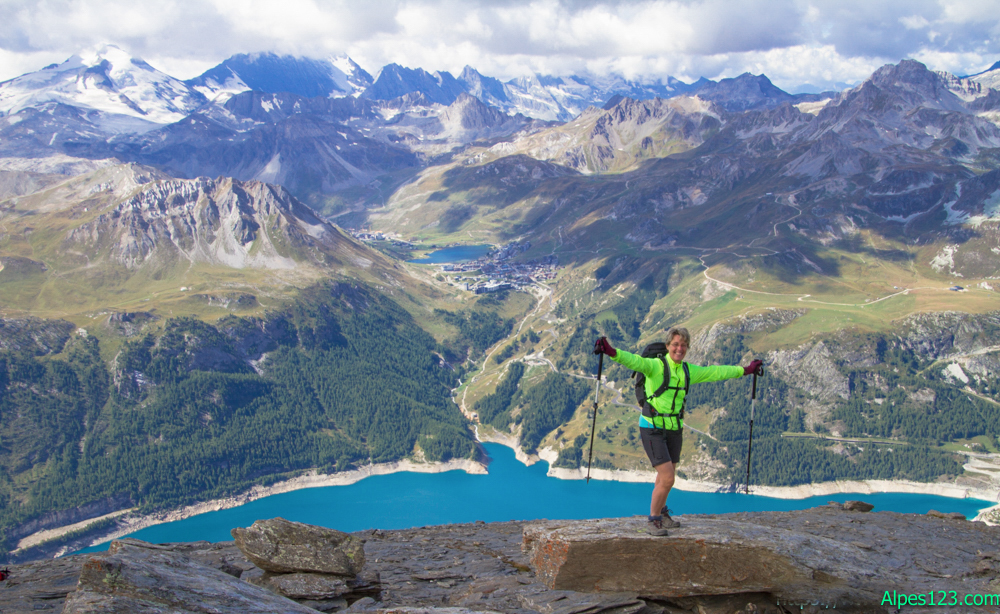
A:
(273, 73)
(625, 132)
(216, 221)
(988, 78)
(743, 93)
(913, 84)
(487, 89)
(472, 113)
(905, 70)
(355, 77)
(394, 81)
(909, 104)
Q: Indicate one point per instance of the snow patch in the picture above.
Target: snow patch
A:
(946, 259)
(991, 212)
(343, 64)
(692, 105)
(270, 173)
(813, 108)
(991, 116)
(316, 231)
(221, 92)
(955, 371)
(906, 219)
(504, 149)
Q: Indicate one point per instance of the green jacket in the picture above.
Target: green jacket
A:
(671, 401)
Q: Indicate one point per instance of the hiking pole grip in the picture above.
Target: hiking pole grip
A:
(593, 425)
(753, 394)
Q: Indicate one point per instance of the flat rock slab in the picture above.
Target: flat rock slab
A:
(40, 585)
(479, 567)
(304, 585)
(133, 579)
(283, 546)
(829, 556)
(569, 602)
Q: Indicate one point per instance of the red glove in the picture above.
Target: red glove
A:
(603, 347)
(754, 367)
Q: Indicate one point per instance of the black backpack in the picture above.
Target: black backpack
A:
(659, 350)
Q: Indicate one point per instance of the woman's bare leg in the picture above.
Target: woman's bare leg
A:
(665, 473)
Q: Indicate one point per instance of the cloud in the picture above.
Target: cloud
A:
(545, 28)
(792, 41)
(897, 29)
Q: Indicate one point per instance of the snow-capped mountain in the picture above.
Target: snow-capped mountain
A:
(902, 154)
(538, 96)
(561, 99)
(311, 146)
(123, 94)
(271, 73)
(348, 131)
(989, 77)
(120, 94)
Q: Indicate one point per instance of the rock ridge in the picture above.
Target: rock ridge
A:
(754, 562)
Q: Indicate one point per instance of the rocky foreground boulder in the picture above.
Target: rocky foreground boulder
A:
(765, 563)
(315, 566)
(832, 557)
(283, 546)
(138, 578)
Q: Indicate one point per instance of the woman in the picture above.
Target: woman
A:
(661, 421)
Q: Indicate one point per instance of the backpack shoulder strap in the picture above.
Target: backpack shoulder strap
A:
(687, 386)
(666, 380)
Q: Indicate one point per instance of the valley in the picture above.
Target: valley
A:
(193, 305)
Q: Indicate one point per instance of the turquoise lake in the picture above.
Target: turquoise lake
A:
(510, 491)
(458, 253)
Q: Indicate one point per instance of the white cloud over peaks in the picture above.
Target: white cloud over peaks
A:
(969, 11)
(822, 67)
(307, 26)
(792, 41)
(914, 22)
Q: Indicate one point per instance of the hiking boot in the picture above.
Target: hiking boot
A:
(655, 526)
(667, 521)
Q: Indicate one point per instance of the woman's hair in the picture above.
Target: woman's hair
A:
(677, 331)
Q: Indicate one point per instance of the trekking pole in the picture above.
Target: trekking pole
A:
(753, 402)
(593, 426)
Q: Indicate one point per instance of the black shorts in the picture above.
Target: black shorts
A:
(662, 446)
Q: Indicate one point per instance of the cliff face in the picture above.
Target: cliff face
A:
(225, 221)
(764, 563)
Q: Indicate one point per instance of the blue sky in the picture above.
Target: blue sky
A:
(821, 42)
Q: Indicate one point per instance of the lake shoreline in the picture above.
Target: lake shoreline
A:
(802, 491)
(129, 523)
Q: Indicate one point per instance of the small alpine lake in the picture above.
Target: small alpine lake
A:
(510, 491)
(456, 253)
